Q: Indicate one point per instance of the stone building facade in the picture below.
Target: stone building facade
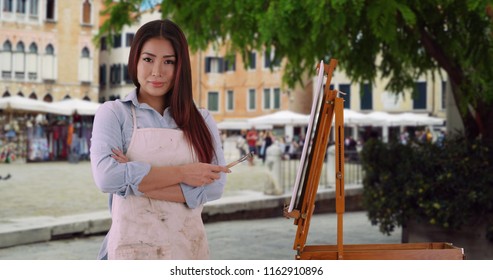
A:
(47, 50)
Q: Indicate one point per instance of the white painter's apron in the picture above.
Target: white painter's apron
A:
(144, 228)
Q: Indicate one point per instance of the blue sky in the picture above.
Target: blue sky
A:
(147, 4)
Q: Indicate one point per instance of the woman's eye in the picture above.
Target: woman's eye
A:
(169, 62)
(147, 59)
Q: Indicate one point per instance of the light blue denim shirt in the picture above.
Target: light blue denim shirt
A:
(113, 128)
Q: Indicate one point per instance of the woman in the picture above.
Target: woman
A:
(156, 154)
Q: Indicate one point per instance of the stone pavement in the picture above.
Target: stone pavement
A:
(43, 202)
(52, 200)
(257, 239)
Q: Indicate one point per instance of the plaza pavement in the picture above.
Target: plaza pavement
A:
(50, 204)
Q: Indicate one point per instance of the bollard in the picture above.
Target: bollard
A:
(273, 160)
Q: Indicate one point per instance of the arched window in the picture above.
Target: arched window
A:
(33, 96)
(19, 47)
(6, 60)
(67, 97)
(85, 52)
(86, 12)
(32, 62)
(48, 98)
(19, 61)
(49, 63)
(50, 50)
(85, 66)
(33, 48)
(6, 94)
(7, 46)
(20, 94)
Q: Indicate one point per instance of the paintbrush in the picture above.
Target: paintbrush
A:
(242, 159)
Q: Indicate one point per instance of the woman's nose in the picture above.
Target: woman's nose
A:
(156, 70)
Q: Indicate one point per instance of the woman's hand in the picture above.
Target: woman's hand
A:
(119, 156)
(199, 174)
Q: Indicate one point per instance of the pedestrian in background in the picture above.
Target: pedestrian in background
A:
(157, 155)
(251, 138)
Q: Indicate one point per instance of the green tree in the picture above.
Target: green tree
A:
(372, 39)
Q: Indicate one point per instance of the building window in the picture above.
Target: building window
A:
(33, 48)
(85, 66)
(277, 98)
(102, 43)
(419, 100)
(129, 37)
(230, 100)
(230, 63)
(126, 76)
(116, 74)
(366, 97)
(117, 41)
(252, 96)
(7, 46)
(102, 76)
(272, 98)
(48, 98)
(6, 60)
(50, 10)
(33, 96)
(86, 12)
(85, 52)
(266, 99)
(252, 60)
(213, 101)
(49, 63)
(270, 59)
(50, 50)
(346, 88)
(21, 6)
(32, 62)
(8, 6)
(19, 61)
(33, 8)
(214, 65)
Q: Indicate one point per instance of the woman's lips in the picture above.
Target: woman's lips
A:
(157, 84)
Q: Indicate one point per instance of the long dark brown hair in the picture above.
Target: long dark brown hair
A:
(180, 97)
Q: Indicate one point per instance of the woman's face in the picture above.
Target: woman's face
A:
(156, 67)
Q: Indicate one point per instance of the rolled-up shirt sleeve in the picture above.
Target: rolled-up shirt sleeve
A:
(195, 196)
(110, 176)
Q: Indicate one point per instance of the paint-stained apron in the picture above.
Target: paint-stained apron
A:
(144, 228)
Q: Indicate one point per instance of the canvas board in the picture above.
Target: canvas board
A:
(309, 139)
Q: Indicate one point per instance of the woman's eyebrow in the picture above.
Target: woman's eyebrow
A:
(153, 55)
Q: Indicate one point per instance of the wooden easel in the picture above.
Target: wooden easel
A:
(332, 105)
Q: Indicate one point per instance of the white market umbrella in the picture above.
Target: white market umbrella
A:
(413, 119)
(354, 118)
(284, 117)
(23, 104)
(240, 125)
(78, 106)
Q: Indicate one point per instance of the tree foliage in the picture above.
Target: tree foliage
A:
(398, 40)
